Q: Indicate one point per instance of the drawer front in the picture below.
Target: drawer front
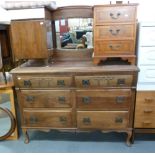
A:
(147, 36)
(145, 109)
(110, 32)
(146, 56)
(45, 99)
(43, 82)
(114, 47)
(146, 74)
(114, 14)
(104, 81)
(102, 119)
(48, 118)
(104, 99)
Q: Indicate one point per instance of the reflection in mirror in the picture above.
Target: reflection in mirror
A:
(74, 33)
(5, 123)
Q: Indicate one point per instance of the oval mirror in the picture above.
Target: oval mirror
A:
(7, 123)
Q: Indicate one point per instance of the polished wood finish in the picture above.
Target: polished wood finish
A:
(115, 32)
(29, 39)
(108, 99)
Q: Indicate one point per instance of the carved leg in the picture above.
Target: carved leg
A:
(133, 137)
(26, 136)
(128, 140)
(132, 61)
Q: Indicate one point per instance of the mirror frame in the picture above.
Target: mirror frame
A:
(13, 124)
(66, 12)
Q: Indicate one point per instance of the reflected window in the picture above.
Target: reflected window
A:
(74, 33)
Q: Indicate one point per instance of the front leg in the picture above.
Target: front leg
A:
(26, 136)
(128, 140)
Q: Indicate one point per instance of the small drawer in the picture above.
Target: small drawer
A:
(45, 99)
(114, 32)
(110, 14)
(104, 99)
(48, 118)
(114, 47)
(104, 81)
(102, 119)
(146, 74)
(146, 56)
(43, 82)
(147, 36)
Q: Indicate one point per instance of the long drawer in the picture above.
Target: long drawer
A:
(114, 32)
(109, 99)
(43, 81)
(48, 118)
(104, 81)
(114, 47)
(102, 119)
(45, 98)
(110, 14)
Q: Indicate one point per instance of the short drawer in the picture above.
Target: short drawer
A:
(146, 56)
(48, 118)
(146, 74)
(45, 99)
(114, 47)
(104, 81)
(104, 14)
(43, 82)
(104, 99)
(102, 119)
(111, 32)
(145, 109)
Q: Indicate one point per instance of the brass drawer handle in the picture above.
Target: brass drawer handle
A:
(61, 99)
(120, 99)
(147, 122)
(148, 100)
(27, 83)
(114, 33)
(61, 83)
(121, 82)
(30, 98)
(118, 120)
(63, 119)
(148, 111)
(115, 16)
(86, 100)
(33, 120)
(115, 48)
(86, 121)
(85, 83)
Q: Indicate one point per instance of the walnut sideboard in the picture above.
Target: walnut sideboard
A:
(76, 95)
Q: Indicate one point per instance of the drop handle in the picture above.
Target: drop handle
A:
(33, 120)
(114, 32)
(115, 48)
(147, 123)
(86, 121)
(86, 100)
(148, 100)
(61, 83)
(85, 83)
(120, 99)
(118, 120)
(116, 16)
(148, 111)
(61, 99)
(121, 82)
(63, 119)
(30, 98)
(27, 83)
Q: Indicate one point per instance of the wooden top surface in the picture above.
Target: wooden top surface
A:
(71, 66)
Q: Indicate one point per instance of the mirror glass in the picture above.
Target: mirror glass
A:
(74, 33)
(5, 122)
